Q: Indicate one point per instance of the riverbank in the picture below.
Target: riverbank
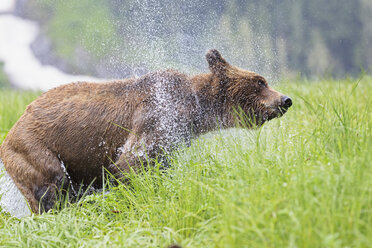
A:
(21, 66)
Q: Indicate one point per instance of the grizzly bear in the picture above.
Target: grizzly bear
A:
(71, 133)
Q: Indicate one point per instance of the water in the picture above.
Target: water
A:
(12, 201)
(171, 124)
(66, 173)
(6, 5)
(20, 64)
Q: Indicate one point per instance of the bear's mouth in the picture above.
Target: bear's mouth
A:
(275, 113)
(261, 117)
(282, 111)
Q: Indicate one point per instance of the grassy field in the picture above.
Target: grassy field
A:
(4, 83)
(304, 180)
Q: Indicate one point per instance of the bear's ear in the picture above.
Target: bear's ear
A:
(217, 64)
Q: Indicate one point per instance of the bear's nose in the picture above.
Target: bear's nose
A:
(286, 102)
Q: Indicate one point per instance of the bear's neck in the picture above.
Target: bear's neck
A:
(213, 110)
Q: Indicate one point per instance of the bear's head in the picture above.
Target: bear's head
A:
(247, 91)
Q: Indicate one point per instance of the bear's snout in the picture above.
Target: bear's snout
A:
(278, 108)
(286, 102)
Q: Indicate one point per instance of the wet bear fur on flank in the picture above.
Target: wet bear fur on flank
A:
(87, 126)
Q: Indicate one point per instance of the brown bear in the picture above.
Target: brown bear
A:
(70, 133)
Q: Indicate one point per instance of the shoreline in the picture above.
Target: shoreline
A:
(22, 67)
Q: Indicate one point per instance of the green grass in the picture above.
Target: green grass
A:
(304, 180)
(12, 105)
(4, 82)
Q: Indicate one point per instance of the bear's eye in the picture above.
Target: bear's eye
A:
(261, 83)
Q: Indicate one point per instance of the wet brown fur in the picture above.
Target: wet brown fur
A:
(88, 126)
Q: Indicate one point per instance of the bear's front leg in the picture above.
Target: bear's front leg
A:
(136, 153)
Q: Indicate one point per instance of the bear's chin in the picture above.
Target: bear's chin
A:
(277, 113)
(269, 115)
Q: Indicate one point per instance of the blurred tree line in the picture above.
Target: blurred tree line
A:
(276, 37)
